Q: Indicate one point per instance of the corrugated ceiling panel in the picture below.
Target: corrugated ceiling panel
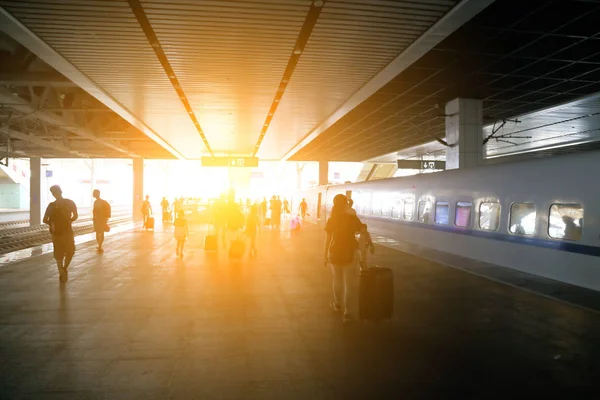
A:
(229, 57)
(352, 41)
(104, 40)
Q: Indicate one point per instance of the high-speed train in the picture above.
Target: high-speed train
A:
(540, 216)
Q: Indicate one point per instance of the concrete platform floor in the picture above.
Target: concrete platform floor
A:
(136, 323)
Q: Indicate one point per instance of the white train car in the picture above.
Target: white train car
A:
(540, 216)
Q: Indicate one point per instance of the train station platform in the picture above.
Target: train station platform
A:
(137, 323)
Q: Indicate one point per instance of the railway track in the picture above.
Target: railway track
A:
(13, 224)
(18, 238)
(22, 223)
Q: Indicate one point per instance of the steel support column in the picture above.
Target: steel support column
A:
(323, 172)
(138, 188)
(35, 191)
(464, 127)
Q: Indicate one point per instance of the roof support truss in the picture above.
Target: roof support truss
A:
(66, 121)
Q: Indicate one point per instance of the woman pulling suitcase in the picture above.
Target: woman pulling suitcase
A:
(340, 250)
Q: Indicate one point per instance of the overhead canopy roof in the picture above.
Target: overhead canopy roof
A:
(230, 77)
(343, 80)
(517, 56)
(44, 114)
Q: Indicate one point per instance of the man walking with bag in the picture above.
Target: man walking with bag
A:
(102, 213)
(59, 215)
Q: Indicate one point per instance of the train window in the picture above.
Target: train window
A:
(565, 221)
(522, 218)
(424, 211)
(489, 216)
(409, 209)
(463, 214)
(442, 208)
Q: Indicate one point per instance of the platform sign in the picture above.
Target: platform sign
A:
(422, 165)
(229, 161)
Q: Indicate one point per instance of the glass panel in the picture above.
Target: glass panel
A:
(357, 202)
(361, 202)
(522, 218)
(386, 207)
(376, 206)
(396, 209)
(424, 211)
(441, 212)
(489, 216)
(463, 214)
(409, 209)
(566, 221)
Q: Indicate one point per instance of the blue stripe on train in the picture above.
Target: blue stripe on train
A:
(548, 244)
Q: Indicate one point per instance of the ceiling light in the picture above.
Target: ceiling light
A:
(297, 51)
(276, 100)
(155, 45)
(318, 3)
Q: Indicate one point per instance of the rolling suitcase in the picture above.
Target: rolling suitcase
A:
(150, 223)
(237, 249)
(210, 243)
(376, 294)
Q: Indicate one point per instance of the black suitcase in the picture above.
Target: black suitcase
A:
(210, 243)
(150, 223)
(376, 294)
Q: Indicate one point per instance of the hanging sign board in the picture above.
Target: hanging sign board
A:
(229, 161)
(417, 164)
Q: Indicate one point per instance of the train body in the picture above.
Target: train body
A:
(540, 216)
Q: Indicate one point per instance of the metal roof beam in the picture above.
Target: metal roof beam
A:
(46, 53)
(24, 107)
(34, 79)
(40, 142)
(454, 19)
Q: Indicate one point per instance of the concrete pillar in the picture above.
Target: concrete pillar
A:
(35, 191)
(92, 186)
(323, 172)
(138, 188)
(299, 169)
(464, 126)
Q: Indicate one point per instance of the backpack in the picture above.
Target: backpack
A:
(107, 209)
(343, 242)
(60, 219)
